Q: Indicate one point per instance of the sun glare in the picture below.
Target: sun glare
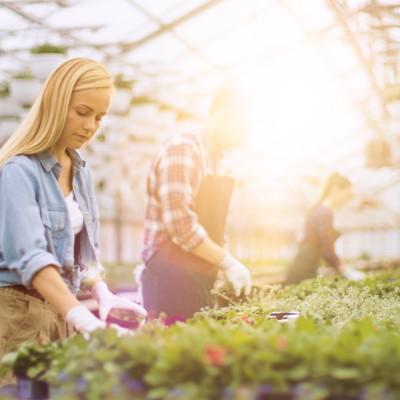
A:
(298, 99)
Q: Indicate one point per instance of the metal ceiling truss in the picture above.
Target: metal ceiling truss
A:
(109, 49)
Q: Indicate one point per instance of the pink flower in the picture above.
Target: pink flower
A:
(215, 355)
(168, 321)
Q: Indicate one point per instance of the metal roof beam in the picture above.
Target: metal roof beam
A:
(128, 46)
(61, 3)
(341, 18)
(191, 48)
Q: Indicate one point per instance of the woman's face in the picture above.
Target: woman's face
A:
(86, 109)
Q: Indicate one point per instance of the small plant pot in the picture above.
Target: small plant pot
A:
(269, 394)
(39, 390)
(32, 389)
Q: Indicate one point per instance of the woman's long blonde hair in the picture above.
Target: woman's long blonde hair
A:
(45, 122)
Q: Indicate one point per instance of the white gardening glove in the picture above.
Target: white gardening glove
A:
(237, 274)
(85, 322)
(353, 275)
(108, 301)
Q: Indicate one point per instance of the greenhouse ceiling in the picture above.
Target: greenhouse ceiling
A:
(325, 71)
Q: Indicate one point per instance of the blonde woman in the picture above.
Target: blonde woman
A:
(49, 219)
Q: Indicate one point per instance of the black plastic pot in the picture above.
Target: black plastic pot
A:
(276, 396)
(265, 392)
(32, 389)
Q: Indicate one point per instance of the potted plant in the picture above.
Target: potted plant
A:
(29, 380)
(45, 58)
(24, 88)
(4, 89)
(48, 48)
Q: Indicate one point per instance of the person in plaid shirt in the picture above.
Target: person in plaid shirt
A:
(318, 238)
(188, 200)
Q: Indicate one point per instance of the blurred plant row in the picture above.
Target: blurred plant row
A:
(344, 345)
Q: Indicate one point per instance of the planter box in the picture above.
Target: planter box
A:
(42, 65)
(9, 107)
(7, 127)
(25, 91)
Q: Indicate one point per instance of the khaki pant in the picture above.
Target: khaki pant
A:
(24, 318)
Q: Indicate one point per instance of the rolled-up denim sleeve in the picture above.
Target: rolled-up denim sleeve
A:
(22, 232)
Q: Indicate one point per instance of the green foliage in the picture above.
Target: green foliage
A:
(32, 359)
(324, 299)
(345, 343)
(23, 75)
(4, 89)
(48, 48)
(121, 82)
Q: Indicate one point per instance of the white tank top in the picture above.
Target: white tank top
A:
(75, 214)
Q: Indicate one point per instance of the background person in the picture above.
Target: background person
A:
(318, 237)
(188, 201)
(49, 218)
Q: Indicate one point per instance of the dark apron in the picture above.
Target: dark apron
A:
(178, 282)
(306, 262)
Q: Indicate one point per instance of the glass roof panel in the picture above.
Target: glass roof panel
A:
(325, 64)
(167, 11)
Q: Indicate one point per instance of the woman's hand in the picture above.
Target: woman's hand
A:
(353, 274)
(85, 322)
(108, 301)
(237, 274)
(50, 285)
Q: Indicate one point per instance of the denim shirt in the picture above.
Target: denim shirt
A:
(35, 227)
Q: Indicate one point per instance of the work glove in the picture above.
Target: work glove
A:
(353, 275)
(237, 274)
(85, 322)
(108, 301)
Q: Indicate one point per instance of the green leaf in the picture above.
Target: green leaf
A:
(9, 359)
(345, 373)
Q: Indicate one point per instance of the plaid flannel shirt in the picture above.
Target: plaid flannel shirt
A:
(319, 230)
(173, 182)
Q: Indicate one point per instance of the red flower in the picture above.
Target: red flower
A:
(247, 319)
(244, 318)
(215, 355)
(282, 342)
